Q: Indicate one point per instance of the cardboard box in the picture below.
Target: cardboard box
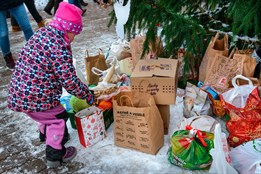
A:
(90, 126)
(165, 115)
(157, 77)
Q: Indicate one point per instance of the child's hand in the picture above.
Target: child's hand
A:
(92, 100)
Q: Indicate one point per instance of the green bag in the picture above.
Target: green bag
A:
(190, 149)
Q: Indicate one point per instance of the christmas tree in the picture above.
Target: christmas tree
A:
(192, 23)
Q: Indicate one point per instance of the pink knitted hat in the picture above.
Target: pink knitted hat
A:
(68, 17)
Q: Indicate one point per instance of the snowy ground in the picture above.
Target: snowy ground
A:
(104, 157)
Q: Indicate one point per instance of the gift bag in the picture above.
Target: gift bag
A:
(97, 61)
(243, 105)
(222, 70)
(137, 122)
(215, 47)
(90, 126)
(190, 149)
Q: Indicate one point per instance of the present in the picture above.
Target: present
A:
(90, 126)
(190, 149)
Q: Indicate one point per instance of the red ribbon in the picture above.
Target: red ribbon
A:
(199, 134)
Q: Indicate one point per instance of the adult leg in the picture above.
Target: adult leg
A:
(77, 4)
(83, 3)
(4, 36)
(19, 13)
(56, 5)
(15, 25)
(4, 41)
(49, 6)
(32, 9)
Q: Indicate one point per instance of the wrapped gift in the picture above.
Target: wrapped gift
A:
(90, 126)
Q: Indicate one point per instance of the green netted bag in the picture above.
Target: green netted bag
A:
(78, 104)
(190, 149)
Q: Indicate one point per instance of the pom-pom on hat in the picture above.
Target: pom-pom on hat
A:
(68, 17)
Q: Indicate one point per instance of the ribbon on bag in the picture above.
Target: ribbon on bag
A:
(198, 133)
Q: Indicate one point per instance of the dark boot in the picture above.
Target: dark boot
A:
(83, 3)
(9, 61)
(55, 157)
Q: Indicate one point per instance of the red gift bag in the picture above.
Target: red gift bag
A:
(243, 104)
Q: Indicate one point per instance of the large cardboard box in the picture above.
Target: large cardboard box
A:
(165, 115)
(158, 78)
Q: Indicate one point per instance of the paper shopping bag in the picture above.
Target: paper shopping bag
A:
(222, 70)
(90, 126)
(216, 47)
(249, 63)
(137, 122)
(243, 105)
(136, 47)
(97, 61)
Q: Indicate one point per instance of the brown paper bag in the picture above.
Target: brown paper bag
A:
(222, 70)
(216, 46)
(249, 63)
(97, 61)
(137, 122)
(136, 48)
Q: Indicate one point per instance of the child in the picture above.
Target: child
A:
(44, 66)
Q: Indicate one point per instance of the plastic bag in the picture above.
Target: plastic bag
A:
(203, 123)
(196, 102)
(190, 149)
(243, 105)
(221, 159)
(246, 158)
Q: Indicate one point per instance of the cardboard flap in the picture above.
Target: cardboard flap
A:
(162, 67)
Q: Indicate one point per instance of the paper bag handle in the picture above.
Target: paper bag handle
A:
(225, 39)
(87, 53)
(241, 77)
(126, 96)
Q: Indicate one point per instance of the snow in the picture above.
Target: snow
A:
(104, 157)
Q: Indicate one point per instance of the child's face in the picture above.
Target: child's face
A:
(71, 36)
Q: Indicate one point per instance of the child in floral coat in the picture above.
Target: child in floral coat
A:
(44, 66)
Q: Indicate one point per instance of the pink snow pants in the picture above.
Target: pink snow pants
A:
(54, 127)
